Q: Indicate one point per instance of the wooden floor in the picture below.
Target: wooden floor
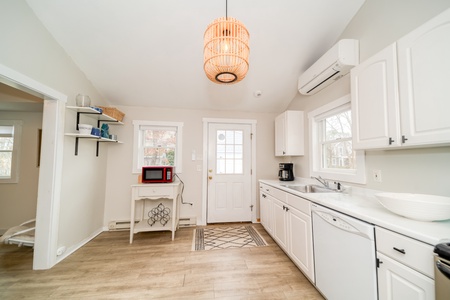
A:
(155, 267)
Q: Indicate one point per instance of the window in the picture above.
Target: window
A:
(10, 132)
(157, 144)
(331, 143)
(229, 148)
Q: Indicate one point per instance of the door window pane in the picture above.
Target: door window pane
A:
(229, 152)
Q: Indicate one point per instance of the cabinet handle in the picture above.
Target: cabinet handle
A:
(264, 196)
(287, 208)
(404, 139)
(391, 141)
(400, 250)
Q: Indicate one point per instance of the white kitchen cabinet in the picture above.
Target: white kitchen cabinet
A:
(287, 218)
(266, 209)
(398, 282)
(405, 267)
(280, 224)
(424, 72)
(400, 95)
(375, 104)
(289, 134)
(299, 228)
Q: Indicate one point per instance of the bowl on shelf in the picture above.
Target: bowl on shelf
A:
(416, 206)
(83, 100)
(84, 128)
(96, 131)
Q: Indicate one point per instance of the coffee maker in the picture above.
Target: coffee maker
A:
(286, 172)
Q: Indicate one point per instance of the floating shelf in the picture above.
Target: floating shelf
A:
(100, 117)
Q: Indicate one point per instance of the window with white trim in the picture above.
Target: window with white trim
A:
(332, 154)
(157, 144)
(10, 135)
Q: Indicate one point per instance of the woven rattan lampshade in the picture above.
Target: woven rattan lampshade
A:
(226, 50)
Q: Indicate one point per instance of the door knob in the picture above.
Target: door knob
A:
(209, 177)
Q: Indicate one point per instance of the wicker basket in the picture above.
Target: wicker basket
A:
(113, 113)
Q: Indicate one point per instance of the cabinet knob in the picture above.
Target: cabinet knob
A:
(391, 141)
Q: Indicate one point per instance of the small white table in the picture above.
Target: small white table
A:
(151, 192)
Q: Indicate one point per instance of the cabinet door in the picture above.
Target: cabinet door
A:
(280, 144)
(424, 72)
(266, 212)
(375, 104)
(398, 282)
(289, 134)
(279, 223)
(300, 241)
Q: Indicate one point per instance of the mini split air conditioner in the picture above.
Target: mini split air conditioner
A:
(334, 64)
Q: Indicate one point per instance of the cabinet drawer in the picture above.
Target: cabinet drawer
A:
(299, 203)
(408, 251)
(165, 191)
(274, 192)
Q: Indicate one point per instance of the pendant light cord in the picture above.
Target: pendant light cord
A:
(226, 9)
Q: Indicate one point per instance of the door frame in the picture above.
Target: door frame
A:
(206, 122)
(50, 170)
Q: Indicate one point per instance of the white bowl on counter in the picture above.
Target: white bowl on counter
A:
(416, 206)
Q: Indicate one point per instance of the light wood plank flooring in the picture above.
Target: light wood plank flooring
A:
(155, 267)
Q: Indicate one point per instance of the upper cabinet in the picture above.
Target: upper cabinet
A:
(375, 104)
(424, 81)
(400, 96)
(289, 134)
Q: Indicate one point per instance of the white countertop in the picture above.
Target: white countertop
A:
(362, 204)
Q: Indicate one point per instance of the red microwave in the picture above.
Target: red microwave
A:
(157, 174)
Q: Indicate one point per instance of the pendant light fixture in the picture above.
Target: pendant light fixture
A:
(226, 50)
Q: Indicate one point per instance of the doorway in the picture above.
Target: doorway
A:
(48, 199)
(229, 171)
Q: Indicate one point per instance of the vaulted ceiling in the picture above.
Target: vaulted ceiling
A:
(150, 52)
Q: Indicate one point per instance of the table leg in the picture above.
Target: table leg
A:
(132, 220)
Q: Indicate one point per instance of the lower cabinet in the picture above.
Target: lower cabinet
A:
(265, 204)
(300, 241)
(280, 224)
(287, 218)
(405, 267)
(397, 282)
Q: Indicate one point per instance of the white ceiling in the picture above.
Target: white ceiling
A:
(150, 53)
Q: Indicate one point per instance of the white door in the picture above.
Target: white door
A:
(229, 173)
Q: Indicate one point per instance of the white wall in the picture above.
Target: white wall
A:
(18, 200)
(119, 176)
(28, 48)
(378, 24)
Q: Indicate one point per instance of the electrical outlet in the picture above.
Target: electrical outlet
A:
(377, 175)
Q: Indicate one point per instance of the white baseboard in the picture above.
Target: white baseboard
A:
(74, 248)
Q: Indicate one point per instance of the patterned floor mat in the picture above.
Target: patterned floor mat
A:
(226, 237)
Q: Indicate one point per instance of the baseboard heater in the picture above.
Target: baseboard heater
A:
(120, 225)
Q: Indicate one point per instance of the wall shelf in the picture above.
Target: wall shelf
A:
(94, 114)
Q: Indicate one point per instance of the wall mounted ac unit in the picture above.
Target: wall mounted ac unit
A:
(334, 64)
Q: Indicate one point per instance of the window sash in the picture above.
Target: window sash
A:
(166, 150)
(318, 142)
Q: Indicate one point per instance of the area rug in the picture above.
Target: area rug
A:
(226, 238)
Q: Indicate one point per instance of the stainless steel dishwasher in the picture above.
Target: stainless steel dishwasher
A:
(344, 255)
(442, 271)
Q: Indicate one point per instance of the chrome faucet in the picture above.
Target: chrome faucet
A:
(322, 181)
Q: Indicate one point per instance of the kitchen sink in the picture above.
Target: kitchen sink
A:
(309, 188)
